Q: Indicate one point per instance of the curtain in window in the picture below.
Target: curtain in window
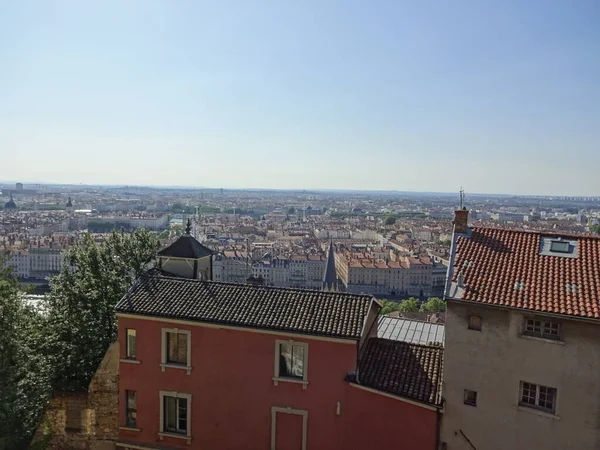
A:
(292, 361)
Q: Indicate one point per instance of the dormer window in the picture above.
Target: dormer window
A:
(560, 246)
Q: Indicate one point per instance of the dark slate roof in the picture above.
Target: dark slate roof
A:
(293, 310)
(186, 247)
(407, 370)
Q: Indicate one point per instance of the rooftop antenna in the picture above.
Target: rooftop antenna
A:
(462, 198)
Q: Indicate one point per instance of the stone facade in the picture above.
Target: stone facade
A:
(86, 421)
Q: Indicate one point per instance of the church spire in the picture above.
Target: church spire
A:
(330, 281)
(188, 227)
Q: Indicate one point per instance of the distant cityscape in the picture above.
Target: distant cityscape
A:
(391, 245)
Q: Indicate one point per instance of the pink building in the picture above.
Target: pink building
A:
(208, 365)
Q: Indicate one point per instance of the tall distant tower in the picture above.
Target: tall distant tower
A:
(69, 205)
(330, 280)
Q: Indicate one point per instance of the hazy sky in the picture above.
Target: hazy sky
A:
(498, 96)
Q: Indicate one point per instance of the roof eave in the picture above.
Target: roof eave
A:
(524, 310)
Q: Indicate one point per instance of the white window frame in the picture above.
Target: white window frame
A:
(163, 339)
(288, 410)
(543, 324)
(162, 433)
(277, 377)
(537, 407)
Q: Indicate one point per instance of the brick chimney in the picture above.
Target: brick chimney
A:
(461, 220)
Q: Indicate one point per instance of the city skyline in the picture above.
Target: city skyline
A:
(499, 98)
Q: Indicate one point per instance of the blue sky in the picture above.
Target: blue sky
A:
(495, 96)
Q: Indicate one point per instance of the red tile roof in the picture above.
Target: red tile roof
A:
(492, 261)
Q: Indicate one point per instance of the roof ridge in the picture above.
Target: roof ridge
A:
(549, 232)
(166, 275)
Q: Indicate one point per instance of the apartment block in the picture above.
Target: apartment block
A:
(522, 347)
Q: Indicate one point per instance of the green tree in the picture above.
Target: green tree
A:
(291, 210)
(388, 307)
(409, 305)
(81, 314)
(389, 220)
(595, 229)
(24, 365)
(434, 304)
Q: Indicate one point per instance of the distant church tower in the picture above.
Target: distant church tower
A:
(69, 205)
(330, 280)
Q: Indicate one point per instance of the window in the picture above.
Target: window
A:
(470, 398)
(175, 413)
(475, 323)
(542, 328)
(291, 360)
(130, 409)
(130, 349)
(176, 351)
(538, 397)
(560, 246)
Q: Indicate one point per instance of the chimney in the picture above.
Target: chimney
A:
(461, 219)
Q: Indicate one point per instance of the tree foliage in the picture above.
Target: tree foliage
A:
(595, 229)
(433, 304)
(389, 220)
(409, 305)
(387, 307)
(24, 365)
(81, 305)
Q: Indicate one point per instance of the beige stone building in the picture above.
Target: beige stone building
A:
(522, 345)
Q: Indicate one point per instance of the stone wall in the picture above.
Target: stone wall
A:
(86, 421)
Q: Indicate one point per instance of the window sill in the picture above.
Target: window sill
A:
(276, 381)
(130, 361)
(164, 366)
(538, 412)
(541, 339)
(129, 429)
(164, 434)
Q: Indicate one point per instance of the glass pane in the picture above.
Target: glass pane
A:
(131, 419)
(170, 413)
(172, 347)
(285, 360)
(182, 411)
(131, 343)
(182, 348)
(298, 361)
(528, 395)
(131, 400)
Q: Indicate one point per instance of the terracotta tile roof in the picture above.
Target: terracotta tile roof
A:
(506, 267)
(404, 369)
(332, 314)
